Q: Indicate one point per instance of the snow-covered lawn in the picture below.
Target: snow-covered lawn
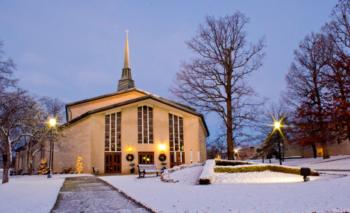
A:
(341, 162)
(30, 193)
(259, 177)
(329, 193)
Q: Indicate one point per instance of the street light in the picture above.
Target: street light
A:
(52, 123)
(277, 126)
(235, 151)
(162, 147)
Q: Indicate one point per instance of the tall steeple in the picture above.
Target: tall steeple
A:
(126, 81)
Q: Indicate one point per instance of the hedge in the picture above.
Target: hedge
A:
(260, 168)
(230, 163)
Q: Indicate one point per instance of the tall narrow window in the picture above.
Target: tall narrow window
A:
(107, 134)
(113, 132)
(176, 140)
(119, 134)
(145, 124)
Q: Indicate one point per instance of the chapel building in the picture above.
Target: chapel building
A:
(115, 132)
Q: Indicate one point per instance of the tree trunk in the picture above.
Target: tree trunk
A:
(229, 140)
(325, 150)
(314, 150)
(229, 129)
(229, 121)
(6, 157)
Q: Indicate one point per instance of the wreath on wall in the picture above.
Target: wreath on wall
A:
(129, 157)
(162, 157)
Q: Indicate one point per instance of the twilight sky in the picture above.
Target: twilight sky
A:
(74, 49)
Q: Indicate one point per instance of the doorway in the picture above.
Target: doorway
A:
(113, 162)
(177, 158)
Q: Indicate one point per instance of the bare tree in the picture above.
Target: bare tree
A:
(337, 77)
(273, 140)
(307, 91)
(6, 71)
(15, 112)
(53, 107)
(214, 81)
(37, 127)
(22, 116)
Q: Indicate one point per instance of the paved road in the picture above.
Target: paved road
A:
(90, 194)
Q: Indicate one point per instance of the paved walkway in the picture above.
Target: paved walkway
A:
(90, 194)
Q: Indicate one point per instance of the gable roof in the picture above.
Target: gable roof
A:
(106, 96)
(147, 96)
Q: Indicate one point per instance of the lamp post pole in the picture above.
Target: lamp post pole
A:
(52, 124)
(277, 127)
(49, 174)
(279, 150)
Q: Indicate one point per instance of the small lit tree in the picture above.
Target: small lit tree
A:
(43, 169)
(79, 166)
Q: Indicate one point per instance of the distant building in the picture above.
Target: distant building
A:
(115, 132)
(245, 153)
(294, 149)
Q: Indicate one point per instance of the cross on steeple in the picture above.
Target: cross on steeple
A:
(126, 81)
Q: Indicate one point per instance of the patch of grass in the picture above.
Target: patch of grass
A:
(261, 168)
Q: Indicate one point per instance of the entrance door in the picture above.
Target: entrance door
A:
(177, 158)
(113, 162)
(146, 158)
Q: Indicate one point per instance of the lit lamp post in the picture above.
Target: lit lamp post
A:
(52, 125)
(277, 125)
(235, 151)
(162, 147)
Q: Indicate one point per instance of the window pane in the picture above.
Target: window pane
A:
(176, 132)
(112, 132)
(107, 121)
(150, 123)
(139, 124)
(181, 134)
(171, 137)
(145, 126)
(119, 123)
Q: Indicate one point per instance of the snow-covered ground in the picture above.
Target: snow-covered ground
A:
(330, 193)
(341, 162)
(259, 177)
(25, 194)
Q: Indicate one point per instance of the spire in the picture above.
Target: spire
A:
(126, 81)
(126, 51)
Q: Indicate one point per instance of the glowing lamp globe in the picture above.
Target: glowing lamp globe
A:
(52, 122)
(161, 147)
(277, 125)
(129, 149)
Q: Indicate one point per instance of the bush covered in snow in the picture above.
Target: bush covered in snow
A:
(260, 168)
(165, 176)
(207, 175)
